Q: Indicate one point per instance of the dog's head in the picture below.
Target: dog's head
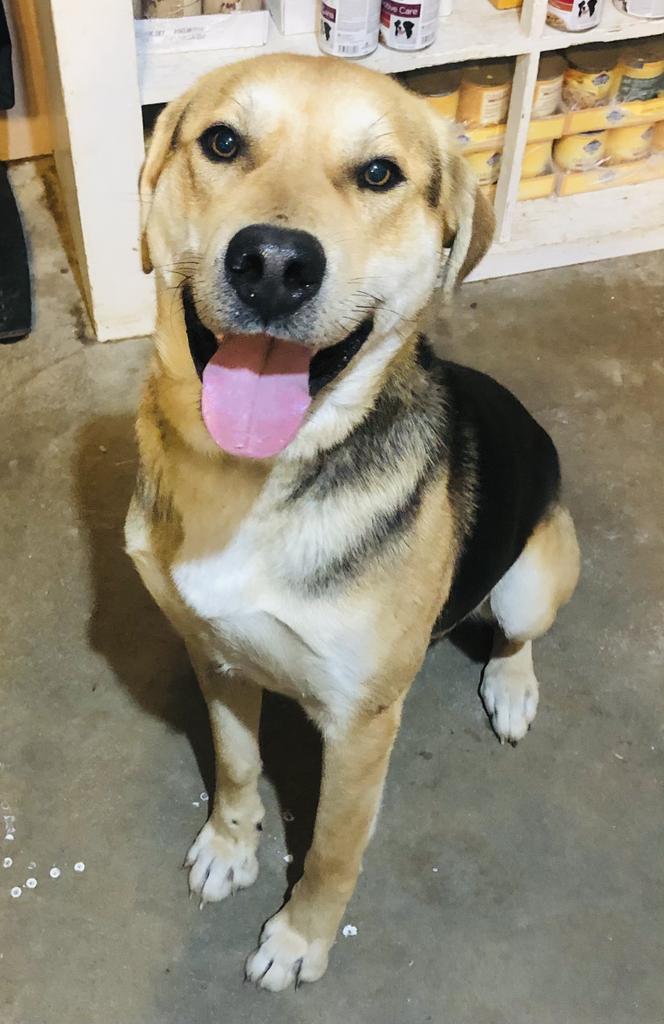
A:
(300, 207)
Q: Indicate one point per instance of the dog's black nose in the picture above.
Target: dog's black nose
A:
(274, 270)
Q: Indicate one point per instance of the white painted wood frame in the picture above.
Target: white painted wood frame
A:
(97, 86)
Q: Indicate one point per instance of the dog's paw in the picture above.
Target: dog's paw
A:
(285, 956)
(510, 694)
(219, 865)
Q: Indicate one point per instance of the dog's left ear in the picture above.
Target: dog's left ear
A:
(162, 143)
(468, 217)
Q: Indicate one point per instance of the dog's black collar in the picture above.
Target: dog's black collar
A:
(325, 365)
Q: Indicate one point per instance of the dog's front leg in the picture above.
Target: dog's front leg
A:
(223, 856)
(295, 943)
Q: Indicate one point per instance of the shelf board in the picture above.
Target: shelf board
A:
(473, 32)
(562, 230)
(614, 26)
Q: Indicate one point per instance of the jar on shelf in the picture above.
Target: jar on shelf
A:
(349, 28)
(580, 152)
(439, 85)
(485, 94)
(633, 142)
(171, 8)
(588, 80)
(658, 137)
(640, 71)
(486, 165)
(574, 15)
(536, 159)
(549, 86)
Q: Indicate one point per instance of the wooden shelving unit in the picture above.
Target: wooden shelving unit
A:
(99, 145)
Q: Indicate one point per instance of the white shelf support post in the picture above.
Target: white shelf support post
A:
(90, 56)
(516, 136)
(533, 18)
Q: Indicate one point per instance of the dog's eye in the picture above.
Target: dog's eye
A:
(220, 142)
(379, 175)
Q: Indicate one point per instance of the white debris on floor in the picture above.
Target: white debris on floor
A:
(348, 930)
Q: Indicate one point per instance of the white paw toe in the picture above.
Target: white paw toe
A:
(510, 699)
(285, 957)
(219, 865)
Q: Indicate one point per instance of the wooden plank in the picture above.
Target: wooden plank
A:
(99, 149)
(516, 136)
(614, 26)
(474, 31)
(25, 130)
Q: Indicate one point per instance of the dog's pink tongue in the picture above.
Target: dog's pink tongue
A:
(255, 394)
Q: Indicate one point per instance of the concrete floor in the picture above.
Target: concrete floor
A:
(503, 886)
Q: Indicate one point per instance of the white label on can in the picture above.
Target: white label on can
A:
(547, 97)
(349, 28)
(495, 103)
(406, 26)
(574, 15)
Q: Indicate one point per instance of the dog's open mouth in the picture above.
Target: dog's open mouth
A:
(256, 388)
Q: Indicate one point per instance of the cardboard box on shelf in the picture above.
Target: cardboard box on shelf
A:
(633, 173)
(202, 32)
(614, 115)
(537, 188)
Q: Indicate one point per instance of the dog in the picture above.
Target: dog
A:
(317, 492)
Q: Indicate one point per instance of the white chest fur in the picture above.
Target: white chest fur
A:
(321, 650)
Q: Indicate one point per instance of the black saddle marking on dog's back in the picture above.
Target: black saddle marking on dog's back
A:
(517, 479)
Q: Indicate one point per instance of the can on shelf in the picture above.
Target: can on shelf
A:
(349, 28)
(633, 142)
(536, 159)
(580, 152)
(439, 85)
(640, 72)
(405, 26)
(589, 77)
(549, 86)
(574, 15)
(486, 165)
(641, 8)
(485, 94)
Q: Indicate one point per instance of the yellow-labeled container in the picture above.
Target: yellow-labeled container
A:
(485, 94)
(639, 72)
(580, 152)
(536, 159)
(506, 5)
(658, 137)
(549, 86)
(537, 188)
(439, 85)
(589, 76)
(486, 165)
(650, 169)
(631, 143)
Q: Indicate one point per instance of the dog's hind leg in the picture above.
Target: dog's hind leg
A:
(223, 856)
(523, 606)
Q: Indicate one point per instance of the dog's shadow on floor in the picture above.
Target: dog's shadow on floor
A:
(150, 661)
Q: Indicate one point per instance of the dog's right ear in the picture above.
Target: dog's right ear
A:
(162, 144)
(468, 218)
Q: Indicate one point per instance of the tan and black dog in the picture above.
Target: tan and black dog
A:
(317, 491)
